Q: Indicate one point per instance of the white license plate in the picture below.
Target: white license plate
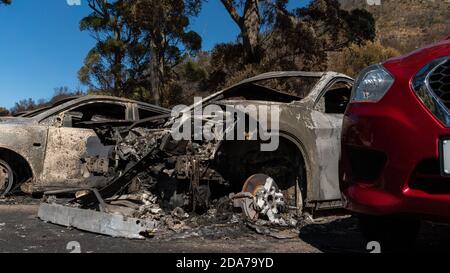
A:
(445, 156)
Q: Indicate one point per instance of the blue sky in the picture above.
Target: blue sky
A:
(41, 46)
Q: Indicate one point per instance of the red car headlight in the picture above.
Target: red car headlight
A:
(372, 84)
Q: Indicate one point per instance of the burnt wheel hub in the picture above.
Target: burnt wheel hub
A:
(5, 179)
(267, 199)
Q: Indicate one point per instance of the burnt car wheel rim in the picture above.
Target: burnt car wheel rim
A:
(6, 178)
(267, 198)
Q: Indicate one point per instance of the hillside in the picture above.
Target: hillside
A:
(408, 24)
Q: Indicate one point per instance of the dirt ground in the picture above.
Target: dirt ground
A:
(21, 231)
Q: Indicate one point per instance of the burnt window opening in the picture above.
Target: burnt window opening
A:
(147, 113)
(336, 98)
(282, 90)
(94, 112)
(295, 86)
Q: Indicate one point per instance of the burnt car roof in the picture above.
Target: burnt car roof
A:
(269, 76)
(62, 104)
(111, 98)
(45, 108)
(282, 74)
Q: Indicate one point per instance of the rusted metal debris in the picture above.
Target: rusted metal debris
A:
(126, 216)
(139, 215)
(114, 225)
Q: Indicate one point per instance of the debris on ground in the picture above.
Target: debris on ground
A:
(275, 232)
(140, 215)
(17, 200)
(112, 224)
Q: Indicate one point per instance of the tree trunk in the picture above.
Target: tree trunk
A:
(250, 28)
(117, 72)
(118, 61)
(157, 66)
(155, 77)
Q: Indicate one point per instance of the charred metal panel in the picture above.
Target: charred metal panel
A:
(63, 165)
(27, 141)
(328, 136)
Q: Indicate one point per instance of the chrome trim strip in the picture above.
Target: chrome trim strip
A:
(421, 85)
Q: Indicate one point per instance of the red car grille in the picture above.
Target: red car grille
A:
(439, 81)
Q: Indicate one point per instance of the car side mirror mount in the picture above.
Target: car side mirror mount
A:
(67, 120)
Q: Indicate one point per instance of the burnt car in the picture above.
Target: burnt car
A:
(300, 172)
(41, 149)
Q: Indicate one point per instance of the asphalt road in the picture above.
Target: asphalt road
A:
(21, 231)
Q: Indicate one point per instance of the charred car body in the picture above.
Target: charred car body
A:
(41, 150)
(188, 173)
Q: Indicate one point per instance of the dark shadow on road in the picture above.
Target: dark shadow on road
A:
(339, 236)
(434, 237)
(343, 236)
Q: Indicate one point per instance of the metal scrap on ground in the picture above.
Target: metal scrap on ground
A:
(115, 225)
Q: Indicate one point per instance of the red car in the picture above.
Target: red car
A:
(395, 160)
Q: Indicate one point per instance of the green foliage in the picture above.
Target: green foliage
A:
(4, 112)
(139, 42)
(357, 57)
(290, 40)
(407, 24)
(24, 106)
(362, 26)
(193, 72)
(108, 66)
(146, 51)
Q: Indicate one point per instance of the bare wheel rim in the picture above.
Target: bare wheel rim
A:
(255, 182)
(6, 178)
